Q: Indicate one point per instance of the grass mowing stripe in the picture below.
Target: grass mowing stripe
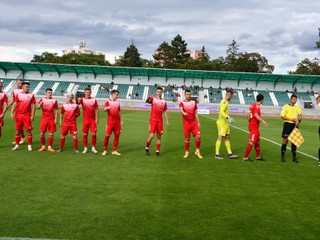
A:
(246, 131)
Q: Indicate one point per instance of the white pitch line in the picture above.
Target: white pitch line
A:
(305, 154)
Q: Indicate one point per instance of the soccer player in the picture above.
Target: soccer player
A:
(22, 112)
(191, 123)
(68, 122)
(15, 92)
(255, 118)
(90, 119)
(49, 119)
(292, 116)
(3, 106)
(223, 125)
(114, 122)
(318, 105)
(158, 107)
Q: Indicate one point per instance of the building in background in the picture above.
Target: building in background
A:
(81, 50)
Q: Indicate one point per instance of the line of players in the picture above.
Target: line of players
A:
(23, 111)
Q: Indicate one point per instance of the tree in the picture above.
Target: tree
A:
(46, 57)
(308, 67)
(232, 56)
(163, 56)
(252, 62)
(172, 56)
(179, 51)
(71, 58)
(84, 59)
(204, 55)
(131, 58)
(318, 42)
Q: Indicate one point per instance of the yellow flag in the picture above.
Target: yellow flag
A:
(295, 137)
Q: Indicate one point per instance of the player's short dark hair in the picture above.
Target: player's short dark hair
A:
(87, 89)
(114, 91)
(160, 88)
(230, 90)
(318, 97)
(293, 96)
(25, 83)
(260, 97)
(49, 89)
(187, 91)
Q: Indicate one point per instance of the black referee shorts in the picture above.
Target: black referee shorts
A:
(287, 129)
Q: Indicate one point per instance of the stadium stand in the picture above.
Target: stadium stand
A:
(63, 78)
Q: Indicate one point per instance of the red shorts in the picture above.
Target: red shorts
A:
(66, 128)
(254, 135)
(190, 127)
(23, 120)
(113, 127)
(47, 124)
(86, 125)
(156, 126)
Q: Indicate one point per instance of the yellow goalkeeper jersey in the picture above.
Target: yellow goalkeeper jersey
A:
(223, 112)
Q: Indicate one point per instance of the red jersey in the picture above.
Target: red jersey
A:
(24, 102)
(89, 105)
(253, 122)
(70, 111)
(114, 111)
(3, 99)
(48, 107)
(15, 93)
(158, 106)
(190, 108)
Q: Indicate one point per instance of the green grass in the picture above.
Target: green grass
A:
(88, 196)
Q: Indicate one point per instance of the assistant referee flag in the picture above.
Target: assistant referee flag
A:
(296, 137)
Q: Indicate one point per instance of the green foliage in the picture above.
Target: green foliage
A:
(131, 58)
(46, 57)
(163, 56)
(71, 58)
(308, 67)
(172, 56)
(87, 196)
(318, 42)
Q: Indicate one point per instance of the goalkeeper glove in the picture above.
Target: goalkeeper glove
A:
(230, 120)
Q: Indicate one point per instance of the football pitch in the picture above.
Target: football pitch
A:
(133, 196)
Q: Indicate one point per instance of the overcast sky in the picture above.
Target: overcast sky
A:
(284, 31)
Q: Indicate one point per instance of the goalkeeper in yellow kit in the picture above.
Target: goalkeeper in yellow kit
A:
(223, 125)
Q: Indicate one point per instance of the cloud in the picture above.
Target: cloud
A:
(284, 32)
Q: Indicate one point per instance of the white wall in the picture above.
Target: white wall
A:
(211, 83)
(265, 85)
(229, 83)
(10, 74)
(177, 81)
(158, 80)
(192, 81)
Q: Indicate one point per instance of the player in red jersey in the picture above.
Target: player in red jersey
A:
(68, 122)
(3, 106)
(114, 122)
(15, 92)
(90, 119)
(191, 123)
(255, 118)
(22, 112)
(49, 107)
(158, 107)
